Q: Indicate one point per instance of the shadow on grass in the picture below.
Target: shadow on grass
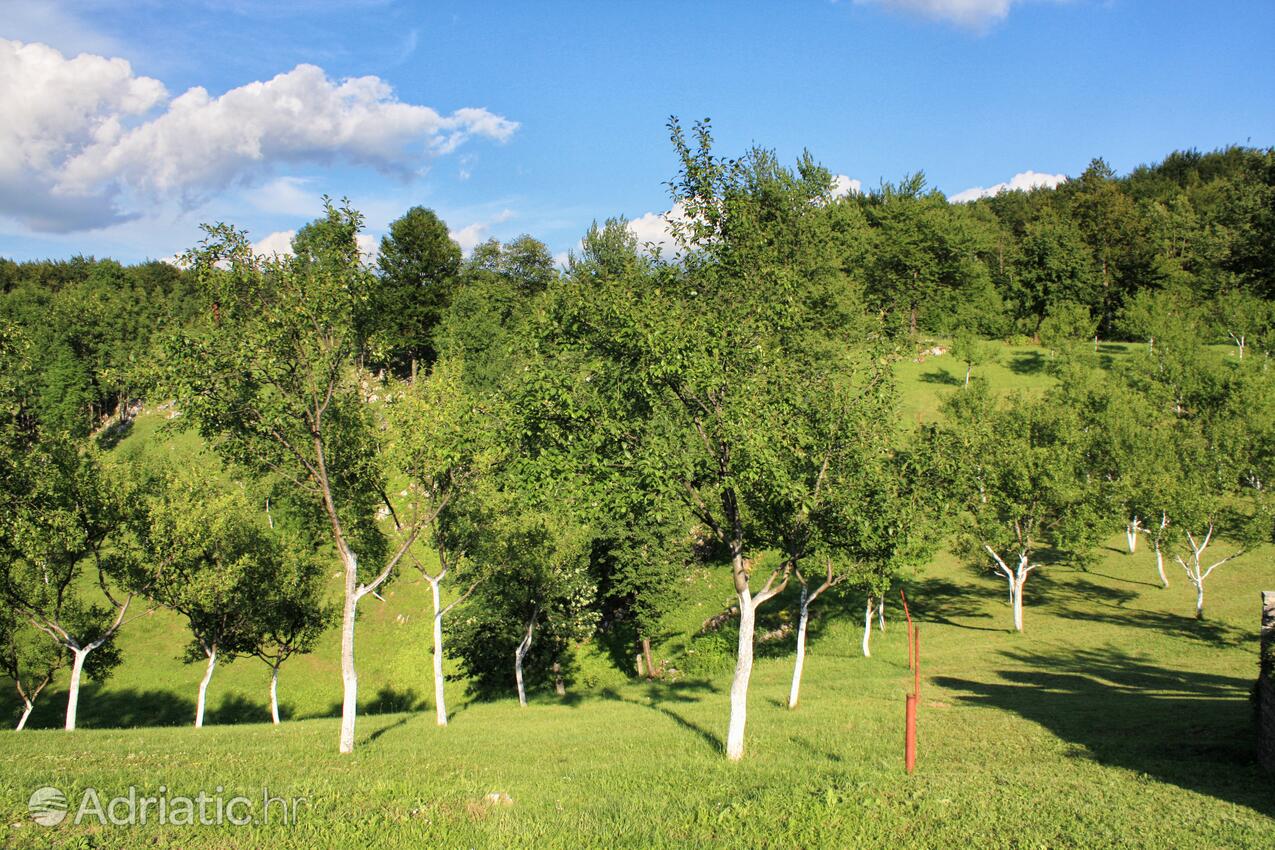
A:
(1027, 363)
(116, 708)
(388, 700)
(941, 376)
(659, 693)
(937, 600)
(1193, 730)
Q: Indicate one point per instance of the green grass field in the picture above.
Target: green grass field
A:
(1116, 720)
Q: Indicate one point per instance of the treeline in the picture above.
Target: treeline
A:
(554, 449)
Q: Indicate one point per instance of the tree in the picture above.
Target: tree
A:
(972, 350)
(68, 514)
(269, 375)
(211, 559)
(535, 598)
(1017, 469)
(291, 615)
(419, 263)
(29, 658)
(446, 434)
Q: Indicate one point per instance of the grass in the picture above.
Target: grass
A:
(1116, 720)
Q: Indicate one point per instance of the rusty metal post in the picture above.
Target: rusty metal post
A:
(909, 735)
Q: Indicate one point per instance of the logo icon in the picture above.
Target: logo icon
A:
(48, 806)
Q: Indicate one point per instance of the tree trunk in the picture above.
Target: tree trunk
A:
(743, 672)
(968, 368)
(795, 691)
(349, 678)
(1131, 535)
(559, 686)
(27, 705)
(440, 698)
(274, 692)
(867, 628)
(1018, 583)
(1159, 564)
(881, 615)
(646, 654)
(73, 687)
(1199, 600)
(203, 686)
(519, 654)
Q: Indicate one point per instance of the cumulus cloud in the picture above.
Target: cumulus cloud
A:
(967, 13)
(82, 137)
(472, 235)
(843, 185)
(1024, 181)
(280, 242)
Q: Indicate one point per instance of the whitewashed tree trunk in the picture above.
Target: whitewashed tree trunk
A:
(274, 692)
(440, 698)
(27, 705)
(211, 652)
(1159, 553)
(867, 628)
(73, 686)
(968, 369)
(1018, 602)
(1131, 534)
(881, 615)
(520, 653)
(795, 691)
(559, 686)
(1195, 570)
(1016, 577)
(349, 678)
(743, 672)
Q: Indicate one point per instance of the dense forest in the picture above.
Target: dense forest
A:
(560, 443)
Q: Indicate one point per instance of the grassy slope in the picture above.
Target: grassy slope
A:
(1117, 720)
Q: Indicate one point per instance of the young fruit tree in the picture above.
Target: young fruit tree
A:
(291, 615)
(67, 552)
(534, 599)
(210, 558)
(755, 281)
(1017, 469)
(29, 658)
(443, 431)
(270, 375)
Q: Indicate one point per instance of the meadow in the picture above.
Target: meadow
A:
(1115, 720)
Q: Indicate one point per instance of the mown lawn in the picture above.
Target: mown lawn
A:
(1117, 720)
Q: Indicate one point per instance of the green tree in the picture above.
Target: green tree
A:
(419, 263)
(269, 375)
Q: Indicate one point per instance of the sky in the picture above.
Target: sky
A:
(124, 124)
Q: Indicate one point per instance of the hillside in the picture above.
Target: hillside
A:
(1116, 720)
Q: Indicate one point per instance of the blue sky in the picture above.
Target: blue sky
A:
(540, 117)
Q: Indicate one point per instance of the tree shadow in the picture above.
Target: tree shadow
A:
(658, 693)
(388, 700)
(116, 708)
(937, 600)
(1189, 729)
(387, 727)
(941, 376)
(236, 708)
(1027, 363)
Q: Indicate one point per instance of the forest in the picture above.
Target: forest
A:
(554, 450)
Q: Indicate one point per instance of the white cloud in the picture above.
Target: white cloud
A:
(653, 228)
(843, 185)
(287, 196)
(1023, 181)
(472, 235)
(77, 144)
(975, 14)
(279, 242)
